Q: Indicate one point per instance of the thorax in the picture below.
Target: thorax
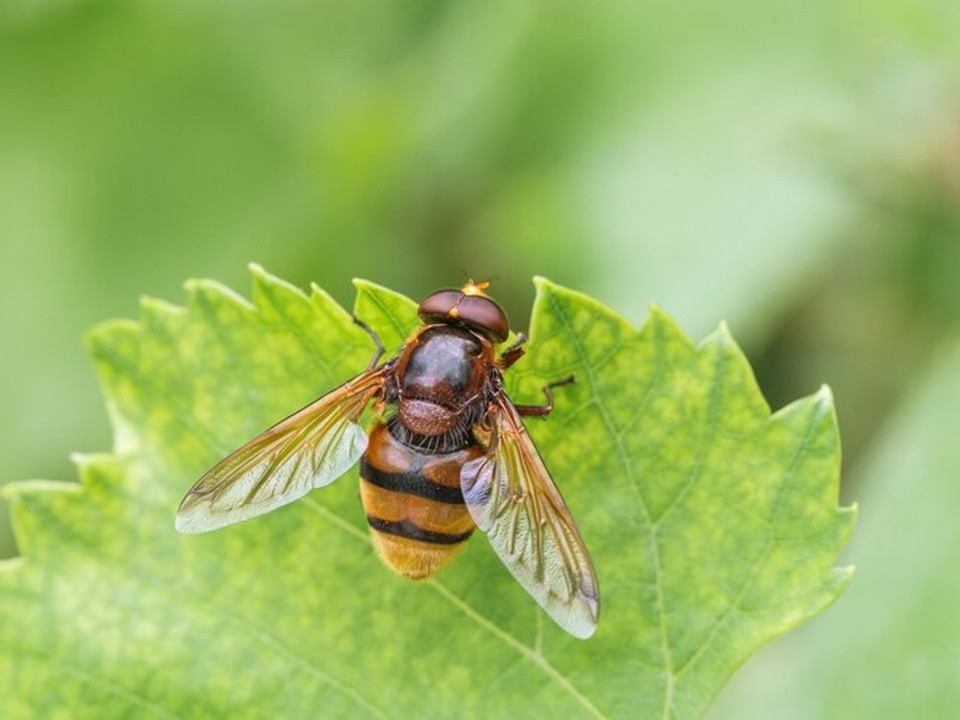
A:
(441, 379)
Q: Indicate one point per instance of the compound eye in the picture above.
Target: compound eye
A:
(440, 305)
(477, 312)
(484, 314)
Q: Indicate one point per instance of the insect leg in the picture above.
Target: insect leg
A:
(376, 339)
(547, 408)
(513, 353)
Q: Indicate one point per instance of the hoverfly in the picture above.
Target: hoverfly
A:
(453, 456)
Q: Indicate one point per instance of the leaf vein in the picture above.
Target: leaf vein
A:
(304, 338)
(706, 439)
(402, 331)
(177, 590)
(110, 687)
(531, 654)
(799, 456)
(183, 417)
(654, 548)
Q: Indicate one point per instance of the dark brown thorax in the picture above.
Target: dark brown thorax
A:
(442, 376)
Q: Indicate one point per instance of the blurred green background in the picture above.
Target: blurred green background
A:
(793, 168)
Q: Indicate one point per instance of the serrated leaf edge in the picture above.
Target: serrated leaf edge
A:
(195, 288)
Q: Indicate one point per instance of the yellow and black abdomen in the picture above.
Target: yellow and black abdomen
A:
(413, 502)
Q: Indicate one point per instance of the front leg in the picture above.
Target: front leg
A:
(547, 408)
(513, 353)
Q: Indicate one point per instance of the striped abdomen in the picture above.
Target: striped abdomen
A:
(416, 512)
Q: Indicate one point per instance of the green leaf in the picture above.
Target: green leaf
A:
(900, 621)
(713, 527)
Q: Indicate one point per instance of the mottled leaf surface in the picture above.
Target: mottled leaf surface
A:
(713, 526)
(891, 647)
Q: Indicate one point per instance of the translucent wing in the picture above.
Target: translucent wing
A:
(511, 498)
(309, 449)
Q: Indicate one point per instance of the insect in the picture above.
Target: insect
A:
(452, 456)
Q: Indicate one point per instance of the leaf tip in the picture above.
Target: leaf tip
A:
(98, 339)
(551, 297)
(721, 340)
(849, 513)
(202, 293)
(263, 277)
(824, 396)
(93, 337)
(541, 282)
(380, 293)
(844, 575)
(20, 488)
(660, 325)
(151, 308)
(364, 285)
(723, 333)
(84, 460)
